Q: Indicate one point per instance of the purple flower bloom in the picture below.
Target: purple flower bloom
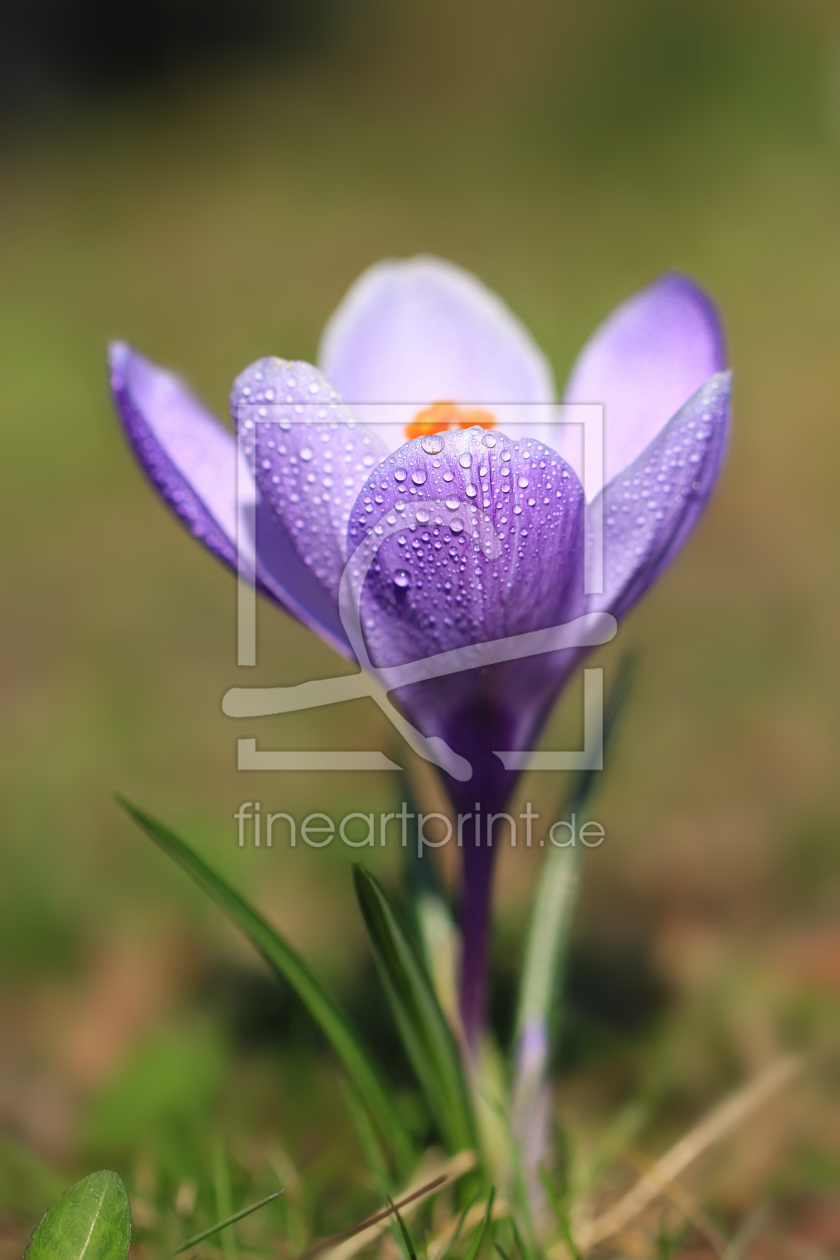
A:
(429, 442)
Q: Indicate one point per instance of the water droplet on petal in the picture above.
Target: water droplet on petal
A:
(523, 483)
(453, 504)
(307, 453)
(423, 517)
(418, 477)
(466, 459)
(489, 440)
(400, 474)
(457, 526)
(402, 579)
(432, 444)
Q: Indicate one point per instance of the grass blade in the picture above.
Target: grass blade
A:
(224, 1205)
(423, 1026)
(546, 948)
(556, 894)
(452, 1241)
(327, 1244)
(408, 1241)
(287, 963)
(231, 1220)
(560, 1214)
(368, 1140)
(478, 1236)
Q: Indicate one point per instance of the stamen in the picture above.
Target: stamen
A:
(443, 416)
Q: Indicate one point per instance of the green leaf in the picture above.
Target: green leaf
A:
(91, 1220)
(288, 964)
(423, 1027)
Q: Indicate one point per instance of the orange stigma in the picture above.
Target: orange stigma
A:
(443, 416)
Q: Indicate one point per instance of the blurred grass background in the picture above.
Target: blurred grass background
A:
(206, 183)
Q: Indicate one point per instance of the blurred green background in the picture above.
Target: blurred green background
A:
(210, 199)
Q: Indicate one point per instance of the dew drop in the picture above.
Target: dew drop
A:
(489, 440)
(402, 579)
(432, 444)
(523, 483)
(307, 453)
(400, 474)
(466, 459)
(457, 526)
(453, 504)
(418, 477)
(423, 517)
(471, 492)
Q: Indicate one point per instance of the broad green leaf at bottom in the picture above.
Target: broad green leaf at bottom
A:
(90, 1221)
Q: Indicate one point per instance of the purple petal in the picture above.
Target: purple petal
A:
(310, 458)
(192, 462)
(492, 547)
(433, 589)
(186, 454)
(419, 331)
(643, 363)
(651, 507)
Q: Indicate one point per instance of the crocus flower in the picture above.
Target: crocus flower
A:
(429, 428)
